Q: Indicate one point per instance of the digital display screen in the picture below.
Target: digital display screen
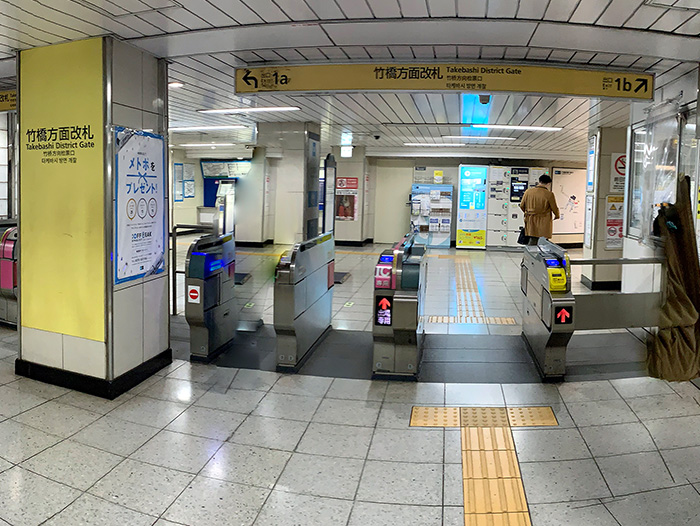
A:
(517, 189)
(386, 259)
(472, 188)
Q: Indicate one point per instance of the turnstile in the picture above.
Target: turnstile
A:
(303, 306)
(399, 291)
(552, 312)
(210, 306)
(9, 252)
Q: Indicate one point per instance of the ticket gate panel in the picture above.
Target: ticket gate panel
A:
(210, 306)
(303, 306)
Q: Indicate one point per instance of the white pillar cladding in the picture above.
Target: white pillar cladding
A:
(297, 174)
(607, 204)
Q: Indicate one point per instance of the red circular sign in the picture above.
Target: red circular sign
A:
(194, 294)
(620, 163)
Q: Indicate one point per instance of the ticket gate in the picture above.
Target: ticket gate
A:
(303, 306)
(399, 292)
(552, 312)
(9, 252)
(210, 305)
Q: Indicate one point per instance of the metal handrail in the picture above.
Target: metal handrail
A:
(619, 261)
(185, 229)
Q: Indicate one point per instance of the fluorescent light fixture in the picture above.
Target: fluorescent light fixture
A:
(478, 137)
(346, 139)
(206, 144)
(259, 109)
(207, 128)
(175, 84)
(346, 151)
(515, 127)
(438, 144)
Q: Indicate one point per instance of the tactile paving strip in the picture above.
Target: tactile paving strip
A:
(485, 464)
(497, 519)
(484, 417)
(531, 417)
(494, 496)
(488, 320)
(487, 438)
(435, 417)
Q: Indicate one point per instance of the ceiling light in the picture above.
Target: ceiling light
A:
(478, 137)
(260, 109)
(207, 128)
(454, 145)
(514, 127)
(175, 84)
(206, 144)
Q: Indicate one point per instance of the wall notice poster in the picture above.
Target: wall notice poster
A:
(569, 188)
(188, 184)
(618, 172)
(590, 165)
(346, 197)
(471, 211)
(613, 221)
(140, 205)
(588, 225)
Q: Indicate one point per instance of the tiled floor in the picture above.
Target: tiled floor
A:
(200, 445)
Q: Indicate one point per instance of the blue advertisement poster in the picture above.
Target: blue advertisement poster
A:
(471, 214)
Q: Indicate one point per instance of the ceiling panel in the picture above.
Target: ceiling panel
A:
(267, 10)
(414, 8)
(471, 8)
(644, 17)
(532, 9)
(237, 10)
(442, 8)
(385, 8)
(618, 12)
(672, 19)
(588, 11)
(354, 8)
(501, 9)
(561, 10)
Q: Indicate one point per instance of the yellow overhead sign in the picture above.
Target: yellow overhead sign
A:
(8, 100)
(447, 77)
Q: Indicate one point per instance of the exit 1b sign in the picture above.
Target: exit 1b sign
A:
(563, 315)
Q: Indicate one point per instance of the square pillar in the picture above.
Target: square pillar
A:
(93, 215)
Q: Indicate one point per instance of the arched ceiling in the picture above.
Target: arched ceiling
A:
(205, 40)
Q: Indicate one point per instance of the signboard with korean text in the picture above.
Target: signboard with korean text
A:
(140, 205)
(471, 208)
(447, 77)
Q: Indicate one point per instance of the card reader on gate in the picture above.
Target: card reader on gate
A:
(557, 275)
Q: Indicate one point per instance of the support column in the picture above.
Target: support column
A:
(93, 215)
(296, 192)
(352, 193)
(604, 207)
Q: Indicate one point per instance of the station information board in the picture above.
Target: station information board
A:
(448, 77)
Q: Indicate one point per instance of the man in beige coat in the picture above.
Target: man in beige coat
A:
(538, 205)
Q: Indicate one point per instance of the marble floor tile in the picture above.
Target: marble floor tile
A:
(290, 509)
(373, 514)
(635, 473)
(175, 390)
(217, 503)
(351, 389)
(254, 466)
(177, 451)
(588, 391)
(57, 419)
(287, 406)
(141, 487)
(314, 386)
(237, 400)
(92, 511)
(348, 412)
(207, 423)
(474, 395)
(148, 411)
(73, 464)
(269, 432)
(582, 513)
(252, 379)
(633, 387)
(601, 413)
(401, 483)
(116, 436)
(27, 499)
(549, 482)
(618, 439)
(336, 440)
(14, 402)
(541, 445)
(321, 476)
(672, 506)
(18, 442)
(407, 445)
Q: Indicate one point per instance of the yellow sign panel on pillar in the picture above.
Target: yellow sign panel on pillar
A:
(62, 190)
(482, 78)
(8, 100)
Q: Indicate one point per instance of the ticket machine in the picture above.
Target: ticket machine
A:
(210, 305)
(399, 291)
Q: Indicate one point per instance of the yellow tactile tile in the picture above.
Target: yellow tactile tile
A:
(531, 417)
(487, 438)
(497, 519)
(435, 417)
(494, 496)
(486, 464)
(484, 417)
